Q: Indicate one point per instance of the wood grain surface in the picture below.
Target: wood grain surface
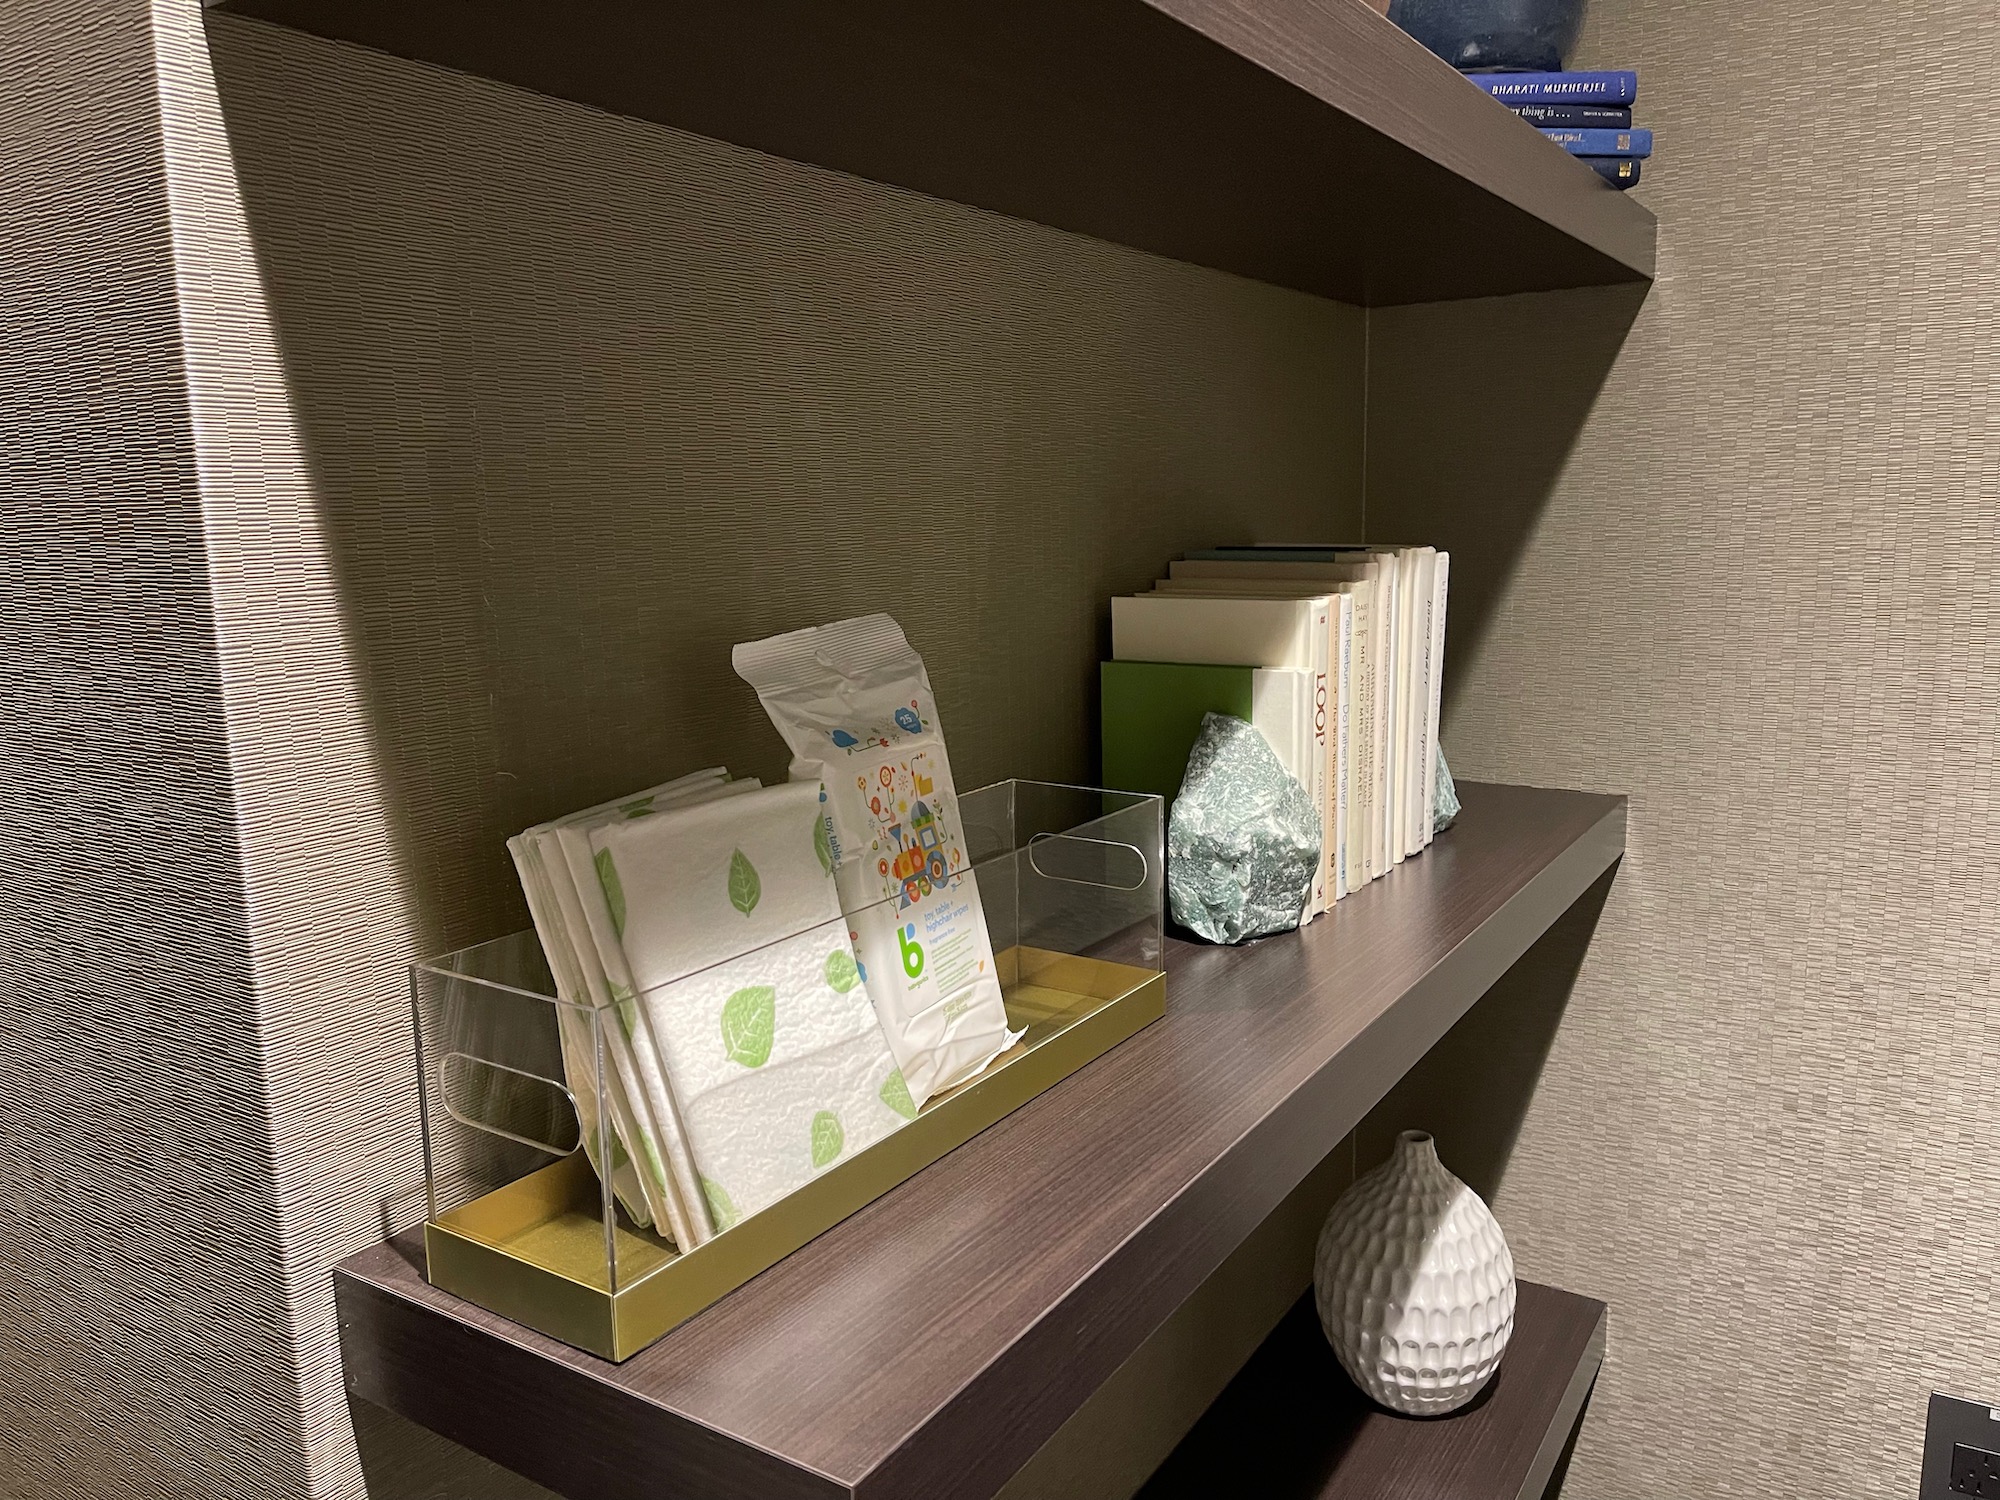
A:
(1292, 1426)
(932, 1342)
(1304, 142)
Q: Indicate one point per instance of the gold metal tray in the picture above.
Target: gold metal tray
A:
(533, 1251)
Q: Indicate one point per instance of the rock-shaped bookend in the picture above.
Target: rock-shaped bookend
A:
(1444, 806)
(1243, 839)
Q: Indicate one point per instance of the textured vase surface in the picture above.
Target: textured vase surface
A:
(1415, 1284)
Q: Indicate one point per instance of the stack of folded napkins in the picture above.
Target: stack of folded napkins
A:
(743, 1054)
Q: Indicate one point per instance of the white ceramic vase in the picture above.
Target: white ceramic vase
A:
(1415, 1284)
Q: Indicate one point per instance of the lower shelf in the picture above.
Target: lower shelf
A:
(1292, 1426)
(933, 1343)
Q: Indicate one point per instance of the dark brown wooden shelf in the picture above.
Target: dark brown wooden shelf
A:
(931, 1343)
(1292, 1426)
(1304, 142)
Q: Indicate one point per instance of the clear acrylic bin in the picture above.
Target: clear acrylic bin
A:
(521, 1091)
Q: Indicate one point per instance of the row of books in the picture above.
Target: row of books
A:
(1336, 653)
(1588, 114)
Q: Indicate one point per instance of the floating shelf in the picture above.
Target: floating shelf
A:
(1308, 143)
(931, 1343)
(1291, 1425)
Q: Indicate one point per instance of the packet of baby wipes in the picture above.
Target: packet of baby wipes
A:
(853, 702)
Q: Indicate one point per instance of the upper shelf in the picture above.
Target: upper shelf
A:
(932, 1342)
(1308, 143)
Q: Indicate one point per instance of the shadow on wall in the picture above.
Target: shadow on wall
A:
(1507, 407)
(586, 401)
(1472, 1089)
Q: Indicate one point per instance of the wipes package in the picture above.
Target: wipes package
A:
(853, 702)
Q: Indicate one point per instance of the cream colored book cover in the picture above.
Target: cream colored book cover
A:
(1350, 689)
(1327, 793)
(1365, 579)
(1217, 632)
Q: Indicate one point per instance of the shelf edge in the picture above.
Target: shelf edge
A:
(1569, 1412)
(1196, 1232)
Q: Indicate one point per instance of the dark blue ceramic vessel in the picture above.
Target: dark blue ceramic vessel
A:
(1536, 35)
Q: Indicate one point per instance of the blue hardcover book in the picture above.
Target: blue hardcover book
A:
(1577, 116)
(1620, 171)
(1637, 143)
(1560, 88)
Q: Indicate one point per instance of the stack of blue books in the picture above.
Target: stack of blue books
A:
(1588, 114)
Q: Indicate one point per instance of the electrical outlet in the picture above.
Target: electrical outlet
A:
(1975, 1472)
(1961, 1450)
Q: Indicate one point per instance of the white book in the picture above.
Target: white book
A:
(1420, 696)
(1389, 601)
(1282, 707)
(1208, 570)
(1439, 593)
(1339, 716)
(1408, 614)
(1350, 689)
(1325, 790)
(1363, 727)
(1411, 592)
(1361, 683)
(1286, 633)
(1219, 632)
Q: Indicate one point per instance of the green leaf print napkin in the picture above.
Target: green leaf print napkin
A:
(651, 1171)
(732, 941)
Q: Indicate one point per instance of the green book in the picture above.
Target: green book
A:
(1151, 712)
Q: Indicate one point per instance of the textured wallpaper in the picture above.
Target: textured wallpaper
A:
(1744, 569)
(391, 459)
(145, 1317)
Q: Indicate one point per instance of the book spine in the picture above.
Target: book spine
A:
(1385, 714)
(1305, 744)
(1420, 697)
(1384, 618)
(1440, 593)
(1361, 798)
(1281, 709)
(1407, 597)
(1614, 87)
(1635, 143)
(1620, 171)
(1343, 714)
(1580, 116)
(1322, 667)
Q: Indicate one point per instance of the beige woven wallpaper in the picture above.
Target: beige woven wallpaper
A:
(145, 1311)
(390, 458)
(1752, 581)
(484, 426)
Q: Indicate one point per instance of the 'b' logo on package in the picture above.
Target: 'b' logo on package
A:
(911, 949)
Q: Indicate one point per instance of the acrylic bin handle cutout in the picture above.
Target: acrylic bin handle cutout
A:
(463, 1078)
(1071, 853)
